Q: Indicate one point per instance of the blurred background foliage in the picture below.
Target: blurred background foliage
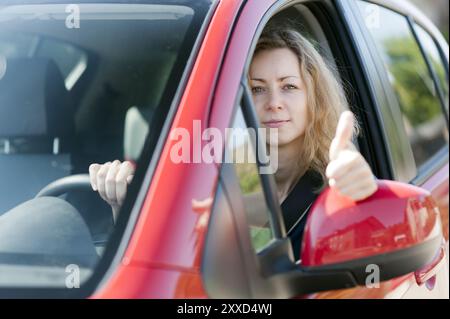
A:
(418, 105)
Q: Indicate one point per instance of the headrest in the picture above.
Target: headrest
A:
(136, 129)
(34, 101)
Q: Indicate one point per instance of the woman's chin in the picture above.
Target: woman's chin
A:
(277, 143)
(281, 141)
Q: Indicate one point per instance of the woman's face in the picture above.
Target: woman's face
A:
(279, 93)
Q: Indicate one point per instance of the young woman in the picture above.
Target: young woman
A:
(295, 91)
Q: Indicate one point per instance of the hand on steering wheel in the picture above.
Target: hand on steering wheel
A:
(111, 181)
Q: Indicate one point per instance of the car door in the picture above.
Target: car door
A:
(351, 54)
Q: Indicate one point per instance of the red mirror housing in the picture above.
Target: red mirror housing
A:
(397, 217)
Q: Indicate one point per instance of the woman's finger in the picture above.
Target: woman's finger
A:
(359, 192)
(343, 136)
(110, 182)
(125, 172)
(341, 166)
(130, 179)
(356, 191)
(359, 174)
(93, 170)
(101, 176)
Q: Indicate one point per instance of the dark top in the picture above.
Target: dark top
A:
(296, 207)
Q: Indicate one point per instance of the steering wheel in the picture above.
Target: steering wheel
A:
(79, 182)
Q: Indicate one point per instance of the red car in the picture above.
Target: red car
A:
(97, 81)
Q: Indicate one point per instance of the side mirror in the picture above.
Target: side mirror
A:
(397, 229)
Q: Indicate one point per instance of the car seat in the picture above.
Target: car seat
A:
(36, 129)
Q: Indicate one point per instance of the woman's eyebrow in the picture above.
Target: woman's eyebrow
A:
(255, 79)
(280, 79)
(287, 77)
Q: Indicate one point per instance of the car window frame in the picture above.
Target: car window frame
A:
(400, 155)
(413, 174)
(404, 168)
(442, 60)
(440, 158)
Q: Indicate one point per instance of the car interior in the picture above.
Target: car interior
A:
(73, 97)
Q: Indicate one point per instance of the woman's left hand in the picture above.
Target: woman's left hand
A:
(348, 171)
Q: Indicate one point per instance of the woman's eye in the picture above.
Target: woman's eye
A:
(289, 87)
(257, 89)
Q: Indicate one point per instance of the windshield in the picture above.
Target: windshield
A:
(79, 84)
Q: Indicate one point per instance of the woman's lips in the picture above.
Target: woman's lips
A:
(274, 123)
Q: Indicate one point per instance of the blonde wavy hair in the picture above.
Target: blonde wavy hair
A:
(325, 95)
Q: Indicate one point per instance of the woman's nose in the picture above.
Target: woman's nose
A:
(274, 102)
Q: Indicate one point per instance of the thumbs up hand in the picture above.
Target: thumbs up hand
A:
(348, 171)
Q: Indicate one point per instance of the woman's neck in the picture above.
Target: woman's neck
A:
(289, 169)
